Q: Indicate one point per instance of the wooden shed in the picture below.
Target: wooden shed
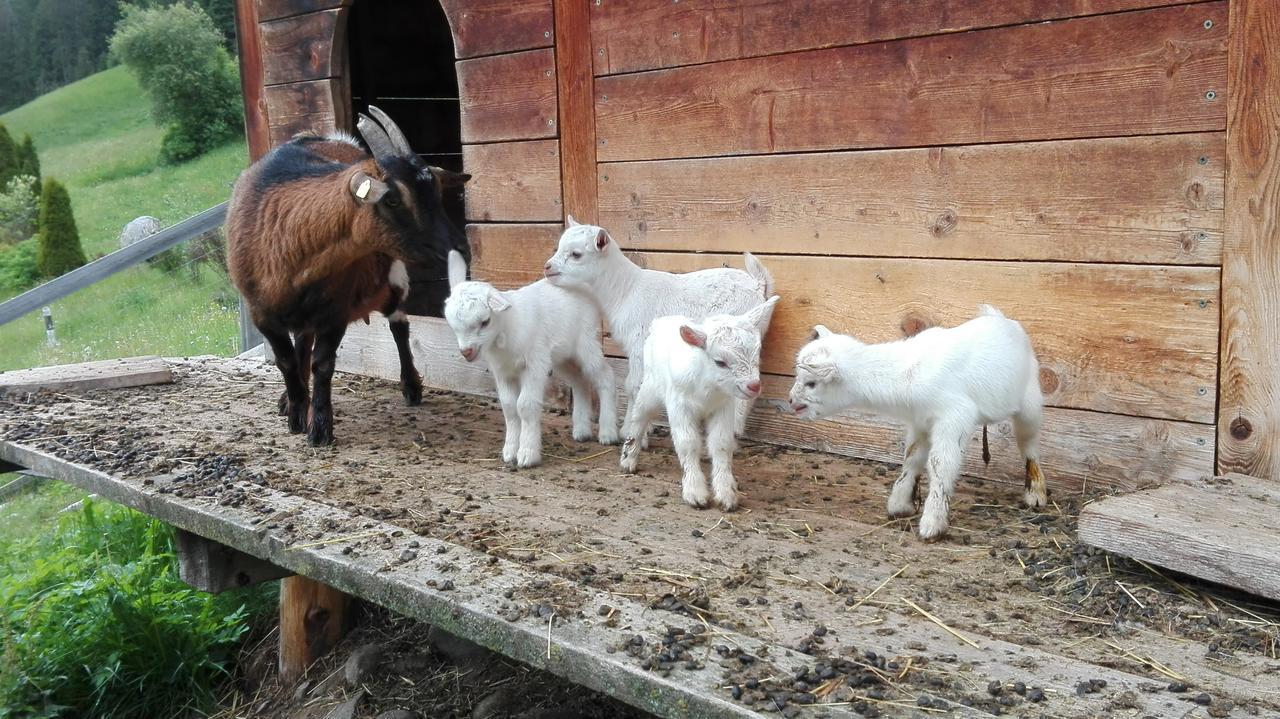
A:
(1101, 170)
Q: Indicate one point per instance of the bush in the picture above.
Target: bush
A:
(18, 268)
(29, 162)
(60, 250)
(94, 622)
(9, 164)
(180, 61)
(19, 206)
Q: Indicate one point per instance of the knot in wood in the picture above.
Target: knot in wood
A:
(1048, 380)
(913, 325)
(1241, 428)
(945, 223)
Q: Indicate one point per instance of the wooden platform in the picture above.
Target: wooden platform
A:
(1224, 531)
(103, 374)
(590, 574)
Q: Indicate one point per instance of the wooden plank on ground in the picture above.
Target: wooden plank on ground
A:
(649, 34)
(1130, 339)
(102, 374)
(1223, 531)
(489, 27)
(575, 90)
(1154, 71)
(1249, 395)
(1146, 200)
(508, 97)
(513, 181)
(304, 47)
(491, 262)
(306, 106)
(1079, 449)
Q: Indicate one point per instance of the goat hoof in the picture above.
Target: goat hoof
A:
(298, 418)
(412, 391)
(582, 435)
(1036, 501)
(321, 432)
(932, 528)
(528, 458)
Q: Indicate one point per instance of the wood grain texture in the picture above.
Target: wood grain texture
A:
(101, 374)
(1081, 450)
(1125, 74)
(1138, 340)
(489, 27)
(249, 52)
(575, 87)
(313, 618)
(491, 261)
(301, 106)
(1142, 200)
(304, 47)
(648, 34)
(276, 9)
(513, 181)
(1249, 396)
(1223, 531)
(508, 97)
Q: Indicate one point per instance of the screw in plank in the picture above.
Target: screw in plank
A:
(675, 34)
(1210, 95)
(606, 178)
(1207, 24)
(1203, 160)
(1202, 391)
(1203, 303)
(601, 51)
(604, 98)
(546, 33)
(551, 123)
(1201, 236)
(1200, 441)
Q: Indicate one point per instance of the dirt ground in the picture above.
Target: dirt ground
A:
(1008, 615)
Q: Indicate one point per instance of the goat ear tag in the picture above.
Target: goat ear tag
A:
(363, 190)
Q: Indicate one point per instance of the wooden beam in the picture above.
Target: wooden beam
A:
(1223, 531)
(1249, 393)
(313, 618)
(575, 85)
(102, 374)
(489, 27)
(214, 567)
(249, 43)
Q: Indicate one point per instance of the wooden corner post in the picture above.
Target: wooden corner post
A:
(575, 89)
(1249, 374)
(313, 618)
(251, 78)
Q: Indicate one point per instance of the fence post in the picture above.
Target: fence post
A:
(249, 335)
(50, 337)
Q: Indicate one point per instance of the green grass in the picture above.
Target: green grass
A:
(34, 510)
(97, 137)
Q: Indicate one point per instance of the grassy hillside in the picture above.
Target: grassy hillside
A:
(97, 137)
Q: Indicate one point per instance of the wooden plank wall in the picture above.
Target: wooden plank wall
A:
(1062, 160)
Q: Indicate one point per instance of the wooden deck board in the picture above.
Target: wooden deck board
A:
(102, 374)
(575, 536)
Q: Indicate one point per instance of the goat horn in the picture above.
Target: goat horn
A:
(398, 140)
(376, 138)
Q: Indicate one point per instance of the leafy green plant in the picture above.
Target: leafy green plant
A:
(18, 268)
(29, 162)
(10, 164)
(59, 251)
(94, 622)
(180, 61)
(19, 206)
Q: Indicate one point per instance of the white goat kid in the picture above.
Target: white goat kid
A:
(527, 335)
(588, 261)
(942, 383)
(699, 372)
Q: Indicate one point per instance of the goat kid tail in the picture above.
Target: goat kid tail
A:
(989, 311)
(986, 450)
(764, 280)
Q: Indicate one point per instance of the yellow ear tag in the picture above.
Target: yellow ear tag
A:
(363, 190)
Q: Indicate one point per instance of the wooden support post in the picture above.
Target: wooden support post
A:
(213, 567)
(1249, 374)
(313, 618)
(575, 87)
(256, 129)
(7, 466)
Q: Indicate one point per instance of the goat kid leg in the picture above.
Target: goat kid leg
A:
(508, 394)
(721, 443)
(320, 431)
(600, 376)
(581, 416)
(1026, 428)
(644, 408)
(533, 389)
(946, 452)
(903, 495)
(635, 375)
(742, 410)
(295, 391)
(686, 435)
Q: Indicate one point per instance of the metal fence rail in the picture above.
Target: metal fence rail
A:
(108, 265)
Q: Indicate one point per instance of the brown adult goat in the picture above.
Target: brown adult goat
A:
(318, 234)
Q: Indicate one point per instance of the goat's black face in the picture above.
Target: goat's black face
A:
(412, 207)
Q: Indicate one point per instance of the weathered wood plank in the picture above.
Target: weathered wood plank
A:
(513, 181)
(102, 374)
(1223, 531)
(313, 618)
(301, 106)
(648, 34)
(276, 9)
(1129, 339)
(489, 27)
(1147, 200)
(508, 97)
(1079, 449)
(1249, 396)
(575, 89)
(249, 47)
(1126, 74)
(491, 262)
(303, 47)
(214, 567)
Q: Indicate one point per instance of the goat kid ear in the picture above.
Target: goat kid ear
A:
(497, 302)
(367, 190)
(449, 179)
(457, 269)
(602, 240)
(693, 337)
(570, 222)
(760, 315)
(819, 331)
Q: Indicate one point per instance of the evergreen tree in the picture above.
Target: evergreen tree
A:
(9, 163)
(29, 161)
(59, 248)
